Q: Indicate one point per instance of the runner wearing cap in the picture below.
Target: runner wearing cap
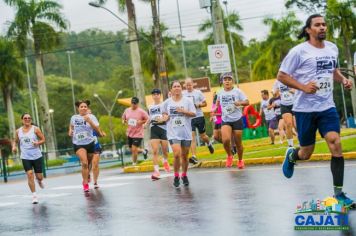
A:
(158, 130)
(198, 122)
(275, 105)
(135, 118)
(215, 116)
(231, 100)
(177, 112)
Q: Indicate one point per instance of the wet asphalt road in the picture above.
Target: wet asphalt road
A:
(254, 201)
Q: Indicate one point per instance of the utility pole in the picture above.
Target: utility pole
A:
(182, 42)
(217, 21)
(71, 79)
(161, 61)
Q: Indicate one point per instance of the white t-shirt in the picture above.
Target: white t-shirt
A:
(82, 131)
(28, 150)
(306, 63)
(231, 113)
(269, 113)
(155, 111)
(196, 97)
(287, 97)
(179, 125)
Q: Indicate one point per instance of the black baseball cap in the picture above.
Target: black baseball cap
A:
(156, 91)
(135, 100)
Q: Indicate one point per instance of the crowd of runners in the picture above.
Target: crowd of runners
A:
(301, 103)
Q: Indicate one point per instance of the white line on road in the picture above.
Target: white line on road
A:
(5, 204)
(128, 177)
(79, 186)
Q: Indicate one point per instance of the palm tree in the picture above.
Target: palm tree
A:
(281, 38)
(38, 19)
(343, 21)
(11, 77)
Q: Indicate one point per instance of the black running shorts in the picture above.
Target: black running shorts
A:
(33, 165)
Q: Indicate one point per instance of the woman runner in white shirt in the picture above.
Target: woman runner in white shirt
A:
(177, 112)
(30, 138)
(81, 130)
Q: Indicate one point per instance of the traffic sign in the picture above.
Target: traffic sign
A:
(219, 58)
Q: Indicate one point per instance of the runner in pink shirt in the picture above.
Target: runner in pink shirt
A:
(135, 118)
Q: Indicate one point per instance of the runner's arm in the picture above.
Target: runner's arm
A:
(342, 79)
(309, 88)
(242, 103)
(40, 135)
(70, 130)
(15, 141)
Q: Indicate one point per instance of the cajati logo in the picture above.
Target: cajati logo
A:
(327, 214)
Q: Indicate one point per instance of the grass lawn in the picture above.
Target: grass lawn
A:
(262, 148)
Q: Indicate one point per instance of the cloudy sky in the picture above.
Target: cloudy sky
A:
(82, 16)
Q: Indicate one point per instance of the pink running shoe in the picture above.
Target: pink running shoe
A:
(155, 175)
(229, 160)
(86, 187)
(166, 166)
(240, 164)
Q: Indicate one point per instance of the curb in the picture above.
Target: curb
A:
(250, 161)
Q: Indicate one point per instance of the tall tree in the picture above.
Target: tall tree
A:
(281, 37)
(311, 6)
(39, 20)
(11, 78)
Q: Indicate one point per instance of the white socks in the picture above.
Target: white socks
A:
(290, 142)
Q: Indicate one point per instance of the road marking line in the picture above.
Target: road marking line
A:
(80, 186)
(142, 176)
(5, 204)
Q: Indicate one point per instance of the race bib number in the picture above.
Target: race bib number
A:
(81, 136)
(229, 109)
(325, 85)
(277, 111)
(178, 122)
(287, 97)
(132, 122)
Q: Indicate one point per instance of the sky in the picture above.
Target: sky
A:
(82, 16)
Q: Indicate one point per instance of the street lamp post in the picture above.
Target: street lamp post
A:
(182, 42)
(51, 111)
(30, 90)
(250, 67)
(231, 42)
(109, 111)
(71, 78)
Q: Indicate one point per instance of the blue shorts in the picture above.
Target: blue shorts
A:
(309, 122)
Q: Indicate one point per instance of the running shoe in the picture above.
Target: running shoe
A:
(240, 164)
(211, 148)
(176, 182)
(185, 180)
(288, 163)
(34, 200)
(40, 183)
(341, 197)
(155, 175)
(145, 152)
(229, 160)
(96, 185)
(193, 160)
(166, 166)
(86, 187)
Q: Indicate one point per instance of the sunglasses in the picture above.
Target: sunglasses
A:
(27, 118)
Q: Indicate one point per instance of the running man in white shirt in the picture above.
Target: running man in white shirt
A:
(231, 100)
(158, 131)
(311, 68)
(287, 98)
(198, 122)
(269, 114)
(177, 112)
(30, 138)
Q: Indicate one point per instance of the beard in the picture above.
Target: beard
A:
(321, 36)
